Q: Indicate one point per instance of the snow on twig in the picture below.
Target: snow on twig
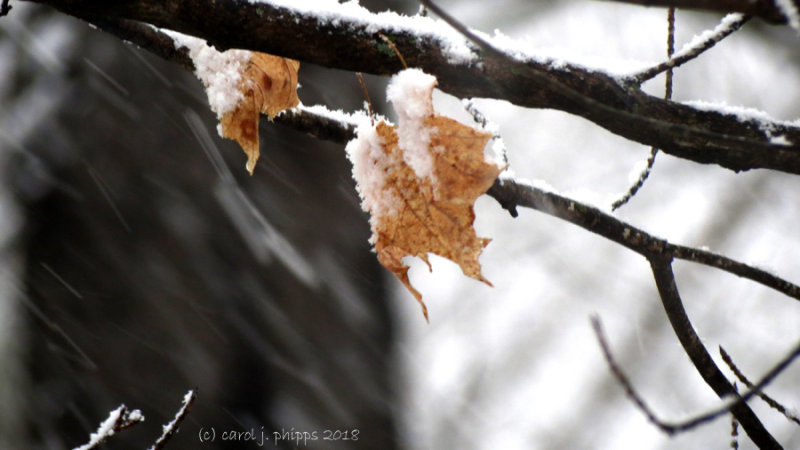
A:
(117, 420)
(695, 47)
(171, 428)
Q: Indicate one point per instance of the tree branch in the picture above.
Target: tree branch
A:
(508, 193)
(670, 298)
(765, 9)
(354, 43)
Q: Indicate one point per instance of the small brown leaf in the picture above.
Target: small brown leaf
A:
(269, 86)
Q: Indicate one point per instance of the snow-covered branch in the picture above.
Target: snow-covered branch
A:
(348, 37)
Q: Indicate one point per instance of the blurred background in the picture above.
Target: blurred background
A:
(138, 260)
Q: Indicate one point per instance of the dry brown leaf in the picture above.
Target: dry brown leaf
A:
(435, 217)
(269, 86)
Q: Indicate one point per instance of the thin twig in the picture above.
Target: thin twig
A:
(366, 96)
(623, 379)
(701, 359)
(171, 428)
(633, 190)
(674, 427)
(728, 26)
(774, 404)
(394, 48)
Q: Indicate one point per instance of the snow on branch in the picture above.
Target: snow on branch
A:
(348, 37)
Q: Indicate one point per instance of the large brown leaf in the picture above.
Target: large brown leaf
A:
(430, 212)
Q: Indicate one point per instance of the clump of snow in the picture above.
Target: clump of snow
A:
(370, 167)
(779, 140)
(220, 72)
(105, 430)
(410, 91)
(790, 11)
(353, 119)
(766, 123)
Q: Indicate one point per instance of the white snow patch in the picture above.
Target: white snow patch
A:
(455, 47)
(370, 168)
(220, 72)
(104, 431)
(780, 140)
(410, 91)
(766, 123)
(724, 26)
(353, 119)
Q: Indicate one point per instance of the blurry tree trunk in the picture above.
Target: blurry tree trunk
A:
(148, 272)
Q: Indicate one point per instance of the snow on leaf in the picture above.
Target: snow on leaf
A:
(268, 86)
(240, 86)
(420, 192)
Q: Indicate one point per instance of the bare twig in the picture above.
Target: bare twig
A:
(633, 190)
(623, 379)
(172, 428)
(774, 404)
(728, 26)
(394, 48)
(674, 427)
(366, 97)
(119, 419)
(694, 348)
